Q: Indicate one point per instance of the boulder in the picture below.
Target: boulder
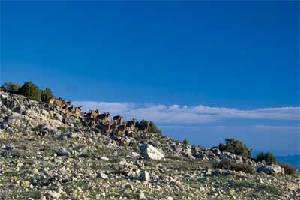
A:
(150, 152)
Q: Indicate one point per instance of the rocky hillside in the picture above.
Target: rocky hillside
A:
(49, 151)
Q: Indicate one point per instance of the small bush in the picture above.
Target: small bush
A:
(238, 167)
(63, 129)
(288, 169)
(185, 142)
(236, 147)
(10, 87)
(153, 128)
(269, 189)
(46, 95)
(242, 184)
(31, 91)
(269, 158)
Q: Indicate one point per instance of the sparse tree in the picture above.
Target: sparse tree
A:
(11, 87)
(153, 128)
(31, 91)
(46, 95)
(269, 158)
(185, 142)
(236, 147)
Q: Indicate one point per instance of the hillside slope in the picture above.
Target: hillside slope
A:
(47, 154)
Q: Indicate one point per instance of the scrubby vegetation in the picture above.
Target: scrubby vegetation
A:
(11, 87)
(30, 90)
(236, 147)
(46, 95)
(185, 142)
(153, 128)
(149, 126)
(227, 164)
(288, 169)
(269, 158)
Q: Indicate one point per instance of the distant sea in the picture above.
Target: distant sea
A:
(293, 160)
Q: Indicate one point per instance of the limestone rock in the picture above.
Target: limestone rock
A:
(150, 152)
(102, 175)
(144, 176)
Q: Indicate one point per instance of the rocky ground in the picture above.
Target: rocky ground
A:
(44, 157)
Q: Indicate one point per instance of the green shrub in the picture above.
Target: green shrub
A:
(153, 128)
(31, 91)
(185, 142)
(288, 169)
(236, 147)
(269, 189)
(63, 129)
(242, 184)
(10, 87)
(39, 128)
(46, 95)
(238, 167)
(269, 158)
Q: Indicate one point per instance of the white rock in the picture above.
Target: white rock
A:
(102, 175)
(134, 154)
(144, 176)
(104, 158)
(150, 152)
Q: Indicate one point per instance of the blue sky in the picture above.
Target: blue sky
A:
(150, 56)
